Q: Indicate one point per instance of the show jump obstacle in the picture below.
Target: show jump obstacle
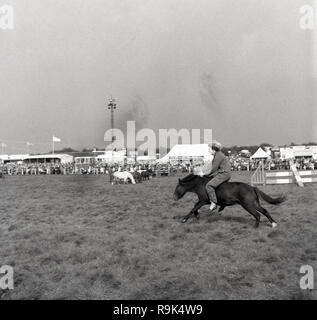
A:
(263, 177)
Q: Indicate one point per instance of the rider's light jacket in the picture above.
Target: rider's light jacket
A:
(220, 164)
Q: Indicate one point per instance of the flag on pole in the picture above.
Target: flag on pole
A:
(29, 144)
(55, 139)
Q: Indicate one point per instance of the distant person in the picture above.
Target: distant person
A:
(219, 169)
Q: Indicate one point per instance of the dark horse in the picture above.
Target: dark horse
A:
(228, 194)
(137, 177)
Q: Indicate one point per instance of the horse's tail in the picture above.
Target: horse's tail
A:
(267, 198)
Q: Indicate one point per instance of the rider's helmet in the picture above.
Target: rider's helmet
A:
(215, 145)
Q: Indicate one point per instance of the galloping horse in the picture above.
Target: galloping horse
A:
(228, 194)
(124, 175)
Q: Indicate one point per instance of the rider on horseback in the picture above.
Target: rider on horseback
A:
(219, 169)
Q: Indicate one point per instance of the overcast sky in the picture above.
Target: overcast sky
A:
(241, 68)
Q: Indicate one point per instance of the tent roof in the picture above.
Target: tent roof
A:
(4, 157)
(63, 157)
(186, 152)
(48, 156)
(260, 154)
(111, 154)
(146, 158)
(16, 157)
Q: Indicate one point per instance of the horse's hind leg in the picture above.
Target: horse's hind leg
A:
(266, 213)
(254, 212)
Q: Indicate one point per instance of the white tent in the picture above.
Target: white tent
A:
(186, 152)
(52, 157)
(146, 158)
(260, 154)
(298, 151)
(4, 157)
(16, 158)
(112, 156)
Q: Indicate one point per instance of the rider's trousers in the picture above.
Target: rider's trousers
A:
(214, 183)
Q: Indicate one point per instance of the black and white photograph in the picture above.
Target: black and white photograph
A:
(158, 151)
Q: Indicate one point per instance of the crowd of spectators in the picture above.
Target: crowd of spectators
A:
(69, 168)
(237, 164)
(240, 163)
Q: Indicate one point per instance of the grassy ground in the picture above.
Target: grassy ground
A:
(78, 237)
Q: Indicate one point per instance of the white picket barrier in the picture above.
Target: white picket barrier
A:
(261, 177)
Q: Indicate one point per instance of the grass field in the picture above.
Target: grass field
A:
(78, 237)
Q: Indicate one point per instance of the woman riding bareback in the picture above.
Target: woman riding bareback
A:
(219, 169)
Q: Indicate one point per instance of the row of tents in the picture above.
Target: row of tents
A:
(180, 152)
(197, 152)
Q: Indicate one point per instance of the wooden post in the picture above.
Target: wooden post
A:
(298, 178)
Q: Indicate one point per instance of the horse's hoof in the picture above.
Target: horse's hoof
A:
(184, 220)
(274, 224)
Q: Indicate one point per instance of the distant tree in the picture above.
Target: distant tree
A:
(265, 144)
(310, 144)
(67, 150)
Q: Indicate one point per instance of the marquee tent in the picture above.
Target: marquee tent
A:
(47, 158)
(112, 157)
(186, 152)
(16, 158)
(260, 154)
(298, 151)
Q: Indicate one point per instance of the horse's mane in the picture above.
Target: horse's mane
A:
(188, 178)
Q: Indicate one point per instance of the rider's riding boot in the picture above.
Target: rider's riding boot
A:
(213, 206)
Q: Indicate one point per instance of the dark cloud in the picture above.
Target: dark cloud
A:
(208, 95)
(137, 110)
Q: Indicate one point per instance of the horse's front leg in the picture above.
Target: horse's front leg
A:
(194, 211)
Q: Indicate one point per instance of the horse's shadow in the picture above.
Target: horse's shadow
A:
(222, 217)
(214, 217)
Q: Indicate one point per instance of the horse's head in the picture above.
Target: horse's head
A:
(180, 190)
(183, 186)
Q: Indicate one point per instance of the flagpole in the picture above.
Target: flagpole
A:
(53, 145)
